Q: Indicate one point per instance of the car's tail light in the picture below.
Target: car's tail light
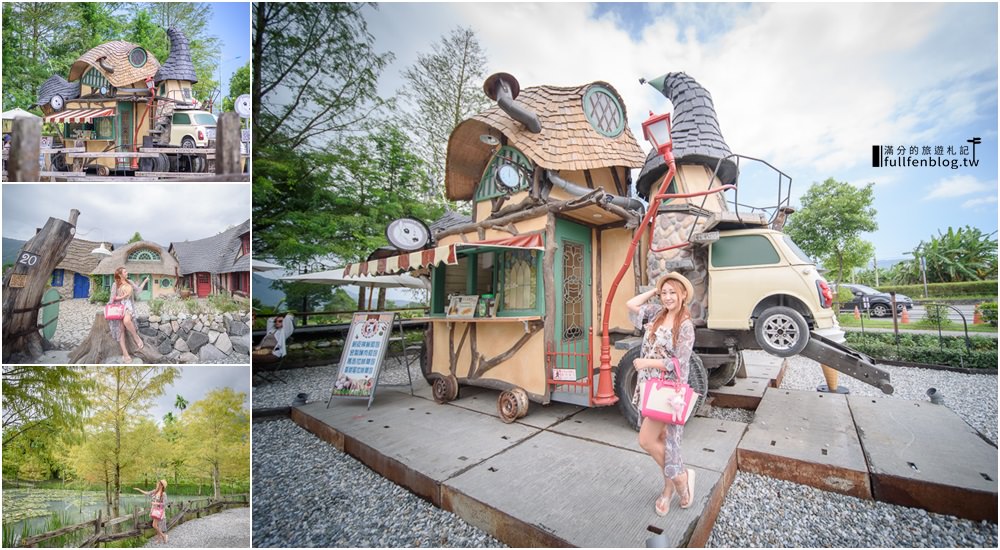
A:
(825, 294)
(201, 135)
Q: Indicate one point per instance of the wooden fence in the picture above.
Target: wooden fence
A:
(137, 523)
(25, 148)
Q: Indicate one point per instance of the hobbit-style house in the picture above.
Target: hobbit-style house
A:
(71, 277)
(116, 95)
(548, 171)
(216, 265)
(142, 259)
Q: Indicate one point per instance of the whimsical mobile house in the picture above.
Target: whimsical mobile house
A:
(118, 98)
(142, 259)
(520, 291)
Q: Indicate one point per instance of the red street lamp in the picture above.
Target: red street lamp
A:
(656, 130)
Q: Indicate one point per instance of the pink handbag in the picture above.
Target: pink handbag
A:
(668, 401)
(114, 312)
(157, 511)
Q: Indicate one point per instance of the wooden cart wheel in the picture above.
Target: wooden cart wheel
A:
(522, 402)
(509, 406)
(445, 389)
(103, 170)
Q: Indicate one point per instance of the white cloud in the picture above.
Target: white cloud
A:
(981, 201)
(958, 186)
(811, 86)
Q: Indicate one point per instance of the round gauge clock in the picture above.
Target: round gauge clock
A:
(57, 102)
(509, 176)
(408, 234)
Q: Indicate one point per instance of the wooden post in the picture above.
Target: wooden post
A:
(227, 144)
(26, 142)
(24, 285)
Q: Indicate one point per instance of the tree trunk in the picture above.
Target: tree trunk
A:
(98, 347)
(21, 304)
(215, 481)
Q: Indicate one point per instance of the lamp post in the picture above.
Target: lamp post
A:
(221, 61)
(656, 130)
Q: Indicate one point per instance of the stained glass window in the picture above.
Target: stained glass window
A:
(520, 270)
(572, 290)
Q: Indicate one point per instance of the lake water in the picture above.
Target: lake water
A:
(33, 508)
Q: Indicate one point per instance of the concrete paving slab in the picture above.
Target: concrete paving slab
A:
(924, 455)
(746, 393)
(707, 442)
(484, 400)
(410, 440)
(808, 438)
(555, 490)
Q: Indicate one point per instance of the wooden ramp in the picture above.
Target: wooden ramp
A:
(562, 476)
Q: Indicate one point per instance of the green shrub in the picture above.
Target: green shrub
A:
(971, 288)
(989, 313)
(193, 307)
(223, 303)
(100, 296)
(156, 306)
(928, 348)
(937, 316)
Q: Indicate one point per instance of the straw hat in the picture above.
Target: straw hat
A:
(688, 287)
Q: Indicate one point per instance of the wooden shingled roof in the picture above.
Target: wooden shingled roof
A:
(116, 56)
(78, 257)
(166, 265)
(567, 140)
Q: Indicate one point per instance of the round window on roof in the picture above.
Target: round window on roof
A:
(603, 110)
(137, 57)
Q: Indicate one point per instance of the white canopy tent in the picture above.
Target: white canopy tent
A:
(261, 265)
(336, 277)
(17, 113)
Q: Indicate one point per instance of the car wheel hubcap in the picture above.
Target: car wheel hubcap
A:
(781, 332)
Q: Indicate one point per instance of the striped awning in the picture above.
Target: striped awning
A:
(446, 254)
(80, 115)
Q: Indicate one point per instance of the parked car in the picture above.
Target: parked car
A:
(190, 129)
(879, 303)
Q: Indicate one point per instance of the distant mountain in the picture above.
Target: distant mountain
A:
(10, 249)
(262, 291)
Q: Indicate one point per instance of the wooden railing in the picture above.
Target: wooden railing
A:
(138, 522)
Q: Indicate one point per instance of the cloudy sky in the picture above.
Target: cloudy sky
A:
(809, 88)
(160, 212)
(194, 383)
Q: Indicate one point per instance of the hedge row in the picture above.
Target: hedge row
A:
(925, 348)
(972, 288)
(989, 312)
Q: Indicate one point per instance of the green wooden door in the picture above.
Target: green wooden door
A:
(144, 294)
(126, 125)
(573, 289)
(50, 313)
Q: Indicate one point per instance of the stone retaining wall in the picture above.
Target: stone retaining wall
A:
(201, 338)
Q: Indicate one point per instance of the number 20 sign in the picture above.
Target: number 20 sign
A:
(28, 259)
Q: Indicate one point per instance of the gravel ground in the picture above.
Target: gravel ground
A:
(306, 493)
(226, 529)
(758, 510)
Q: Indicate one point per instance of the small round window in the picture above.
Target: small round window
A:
(603, 111)
(137, 57)
(165, 283)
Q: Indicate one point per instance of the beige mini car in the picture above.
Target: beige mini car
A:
(760, 279)
(191, 129)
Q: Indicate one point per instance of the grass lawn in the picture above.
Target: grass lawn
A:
(848, 320)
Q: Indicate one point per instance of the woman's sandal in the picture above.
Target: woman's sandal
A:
(662, 505)
(690, 490)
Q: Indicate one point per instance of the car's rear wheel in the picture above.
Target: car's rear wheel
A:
(781, 331)
(881, 310)
(188, 143)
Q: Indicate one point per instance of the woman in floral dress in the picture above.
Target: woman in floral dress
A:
(123, 290)
(157, 508)
(667, 332)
